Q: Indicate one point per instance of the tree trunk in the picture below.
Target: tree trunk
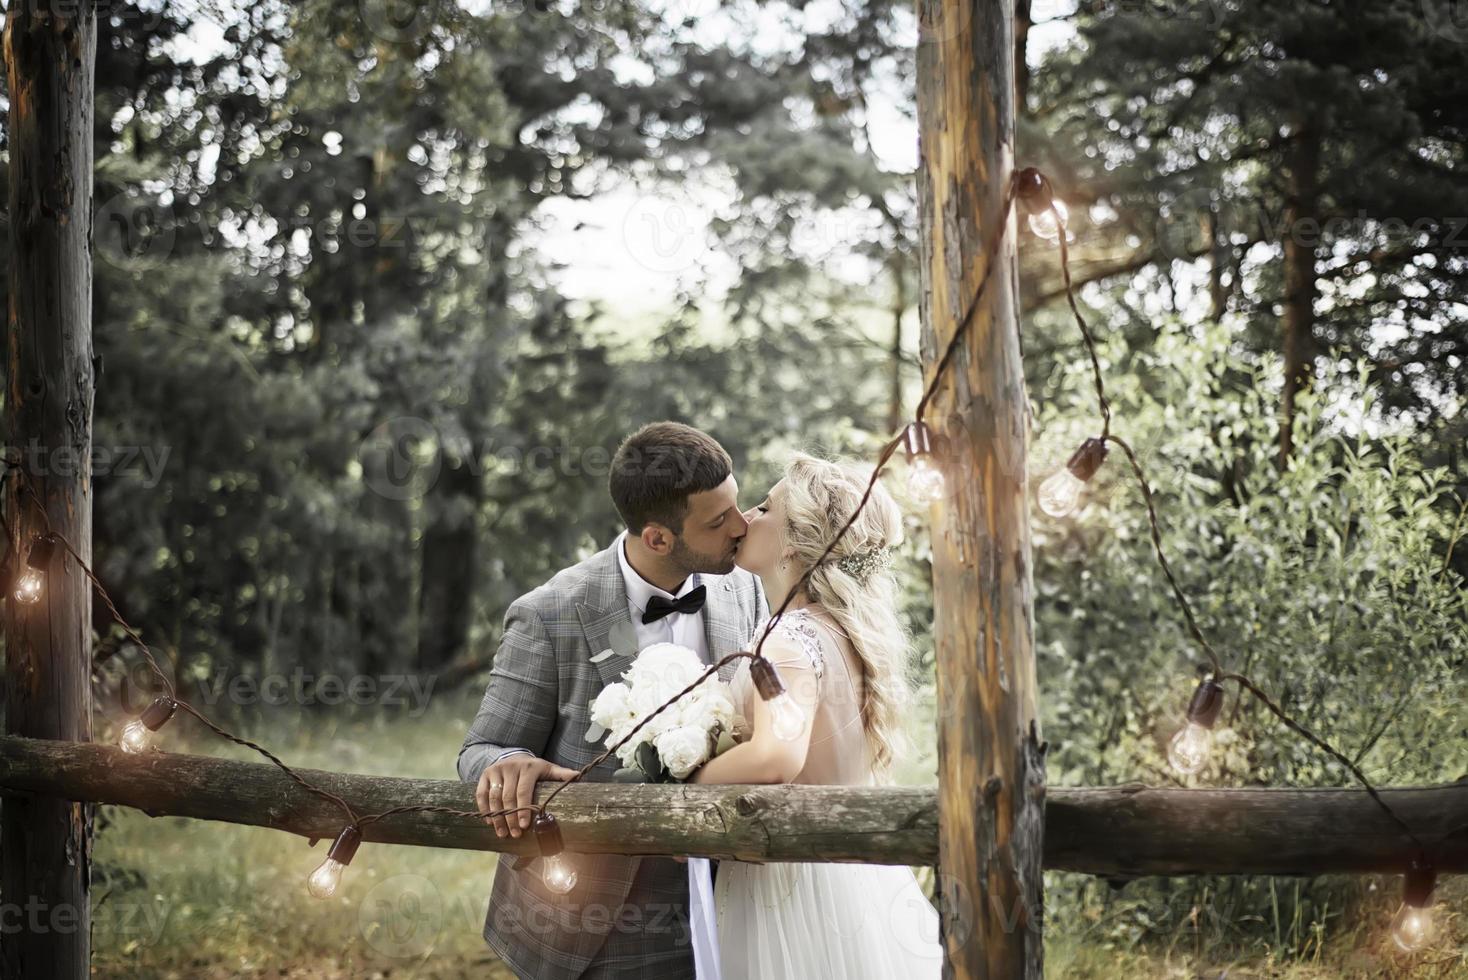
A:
(46, 842)
(1116, 831)
(1302, 231)
(446, 599)
(990, 761)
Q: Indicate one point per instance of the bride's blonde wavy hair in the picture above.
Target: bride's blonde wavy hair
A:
(820, 497)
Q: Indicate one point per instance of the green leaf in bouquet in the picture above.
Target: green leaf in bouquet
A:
(725, 743)
(649, 762)
(595, 732)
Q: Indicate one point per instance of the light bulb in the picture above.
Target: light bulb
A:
(138, 733)
(924, 475)
(787, 720)
(1044, 224)
(558, 875)
(136, 737)
(28, 586)
(1412, 928)
(323, 881)
(1060, 493)
(925, 480)
(1189, 750)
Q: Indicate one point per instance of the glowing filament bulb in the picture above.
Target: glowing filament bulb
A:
(558, 874)
(556, 870)
(1412, 927)
(925, 480)
(28, 586)
(138, 733)
(135, 737)
(323, 882)
(924, 476)
(1060, 493)
(1044, 223)
(787, 719)
(1189, 750)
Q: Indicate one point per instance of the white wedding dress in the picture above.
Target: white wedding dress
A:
(789, 921)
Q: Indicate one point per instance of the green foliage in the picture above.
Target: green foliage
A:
(1327, 584)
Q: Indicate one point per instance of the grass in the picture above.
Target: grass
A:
(176, 898)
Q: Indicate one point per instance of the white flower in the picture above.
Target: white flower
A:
(682, 733)
(683, 749)
(666, 666)
(612, 708)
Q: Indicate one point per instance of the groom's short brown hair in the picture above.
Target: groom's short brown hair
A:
(658, 467)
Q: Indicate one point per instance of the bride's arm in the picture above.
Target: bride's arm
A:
(765, 758)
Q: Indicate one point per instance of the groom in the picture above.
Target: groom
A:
(669, 578)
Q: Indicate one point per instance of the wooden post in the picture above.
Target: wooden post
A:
(45, 842)
(991, 771)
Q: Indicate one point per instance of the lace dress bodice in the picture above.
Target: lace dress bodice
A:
(809, 649)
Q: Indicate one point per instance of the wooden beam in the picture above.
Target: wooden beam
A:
(991, 766)
(1116, 832)
(50, 55)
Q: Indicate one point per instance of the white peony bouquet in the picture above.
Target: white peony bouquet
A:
(681, 738)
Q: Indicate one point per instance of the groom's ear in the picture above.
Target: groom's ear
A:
(657, 538)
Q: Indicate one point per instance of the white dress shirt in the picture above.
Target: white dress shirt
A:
(686, 630)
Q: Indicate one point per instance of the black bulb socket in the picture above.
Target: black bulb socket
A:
(1033, 189)
(548, 835)
(345, 845)
(1418, 886)
(155, 714)
(42, 551)
(1086, 460)
(1207, 703)
(766, 679)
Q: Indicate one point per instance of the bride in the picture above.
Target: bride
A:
(841, 650)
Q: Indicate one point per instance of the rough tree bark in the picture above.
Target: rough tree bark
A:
(45, 843)
(1116, 831)
(991, 764)
(1301, 229)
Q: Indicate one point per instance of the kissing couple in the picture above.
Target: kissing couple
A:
(693, 569)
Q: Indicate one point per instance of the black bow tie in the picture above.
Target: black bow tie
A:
(658, 607)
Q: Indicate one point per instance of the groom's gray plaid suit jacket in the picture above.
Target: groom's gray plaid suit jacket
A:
(540, 690)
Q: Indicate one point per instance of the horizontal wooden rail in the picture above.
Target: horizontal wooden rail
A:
(1123, 831)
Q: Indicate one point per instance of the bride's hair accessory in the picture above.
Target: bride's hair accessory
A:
(861, 565)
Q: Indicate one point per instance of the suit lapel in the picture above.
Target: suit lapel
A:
(606, 621)
(724, 627)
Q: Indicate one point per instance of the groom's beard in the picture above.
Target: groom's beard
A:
(690, 561)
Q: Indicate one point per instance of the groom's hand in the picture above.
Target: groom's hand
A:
(511, 783)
